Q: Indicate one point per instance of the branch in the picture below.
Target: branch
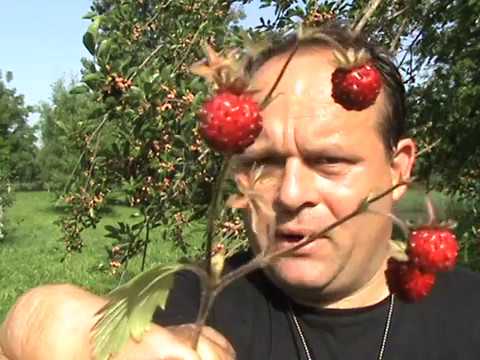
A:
(398, 13)
(213, 209)
(146, 61)
(77, 165)
(428, 148)
(396, 40)
(372, 6)
(268, 97)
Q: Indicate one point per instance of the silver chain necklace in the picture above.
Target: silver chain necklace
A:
(303, 340)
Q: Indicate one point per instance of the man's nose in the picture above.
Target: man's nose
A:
(297, 189)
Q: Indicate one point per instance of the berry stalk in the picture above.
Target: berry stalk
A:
(214, 208)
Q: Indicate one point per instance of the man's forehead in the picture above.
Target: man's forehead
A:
(308, 69)
(303, 101)
(336, 143)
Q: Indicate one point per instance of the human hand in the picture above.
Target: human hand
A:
(53, 322)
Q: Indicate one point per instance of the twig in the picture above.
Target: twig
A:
(213, 209)
(268, 97)
(428, 148)
(147, 239)
(146, 61)
(410, 47)
(194, 39)
(396, 220)
(398, 13)
(372, 6)
(77, 165)
(396, 40)
(154, 17)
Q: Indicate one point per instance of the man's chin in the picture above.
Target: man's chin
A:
(295, 273)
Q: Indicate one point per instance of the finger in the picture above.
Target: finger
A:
(188, 332)
(158, 344)
(217, 338)
(185, 333)
(218, 349)
(3, 356)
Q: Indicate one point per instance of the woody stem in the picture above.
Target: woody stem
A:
(268, 97)
(372, 6)
(214, 208)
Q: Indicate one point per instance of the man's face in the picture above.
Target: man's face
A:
(320, 161)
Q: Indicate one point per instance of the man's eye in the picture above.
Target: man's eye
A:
(328, 160)
(265, 161)
(270, 161)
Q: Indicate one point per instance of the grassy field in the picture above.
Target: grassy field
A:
(32, 252)
(31, 255)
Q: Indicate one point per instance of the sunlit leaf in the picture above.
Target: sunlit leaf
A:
(130, 309)
(80, 89)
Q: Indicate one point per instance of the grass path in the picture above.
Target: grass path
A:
(32, 252)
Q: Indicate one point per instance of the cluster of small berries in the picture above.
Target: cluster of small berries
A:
(431, 249)
(122, 84)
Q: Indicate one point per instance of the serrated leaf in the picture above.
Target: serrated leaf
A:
(130, 309)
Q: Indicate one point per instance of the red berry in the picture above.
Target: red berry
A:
(229, 122)
(407, 281)
(433, 248)
(356, 88)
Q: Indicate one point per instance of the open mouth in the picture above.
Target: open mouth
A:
(290, 237)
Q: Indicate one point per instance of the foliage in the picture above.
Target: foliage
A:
(17, 137)
(144, 144)
(6, 200)
(129, 311)
(445, 104)
(61, 126)
(33, 250)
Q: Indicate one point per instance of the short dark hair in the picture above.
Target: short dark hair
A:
(393, 126)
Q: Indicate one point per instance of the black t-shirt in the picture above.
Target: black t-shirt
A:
(252, 314)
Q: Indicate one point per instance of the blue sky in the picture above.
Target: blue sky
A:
(41, 42)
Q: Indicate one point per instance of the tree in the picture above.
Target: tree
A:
(144, 144)
(17, 137)
(60, 124)
(139, 73)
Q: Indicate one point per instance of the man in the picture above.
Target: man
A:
(330, 299)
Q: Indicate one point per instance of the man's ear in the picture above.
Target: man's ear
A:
(402, 165)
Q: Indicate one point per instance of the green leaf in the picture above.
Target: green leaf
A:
(90, 37)
(93, 79)
(89, 15)
(79, 89)
(130, 309)
(104, 50)
(89, 42)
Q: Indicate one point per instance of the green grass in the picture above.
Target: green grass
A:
(32, 252)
